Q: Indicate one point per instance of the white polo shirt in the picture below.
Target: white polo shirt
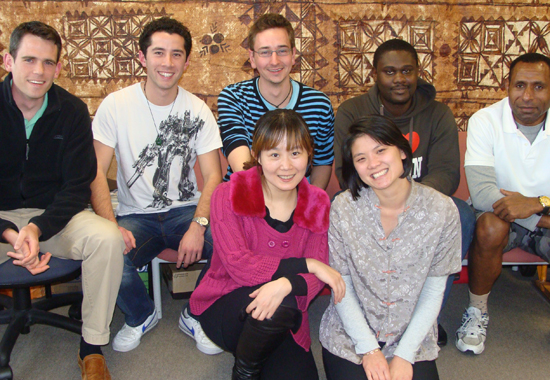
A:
(494, 140)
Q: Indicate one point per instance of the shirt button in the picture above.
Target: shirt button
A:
(285, 244)
(271, 244)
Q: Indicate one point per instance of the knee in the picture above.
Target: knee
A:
(491, 232)
(128, 269)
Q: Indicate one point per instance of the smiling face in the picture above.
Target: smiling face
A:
(379, 166)
(34, 69)
(529, 92)
(273, 70)
(283, 168)
(396, 76)
(165, 61)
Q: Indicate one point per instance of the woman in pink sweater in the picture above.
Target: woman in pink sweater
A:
(269, 227)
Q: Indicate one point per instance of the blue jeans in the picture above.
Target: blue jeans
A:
(153, 234)
(467, 223)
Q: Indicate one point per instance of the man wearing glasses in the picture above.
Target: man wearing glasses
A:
(273, 53)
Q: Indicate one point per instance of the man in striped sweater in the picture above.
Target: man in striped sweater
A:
(272, 53)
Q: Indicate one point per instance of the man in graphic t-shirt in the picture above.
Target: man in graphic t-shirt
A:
(158, 131)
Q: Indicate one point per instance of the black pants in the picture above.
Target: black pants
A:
(223, 323)
(337, 368)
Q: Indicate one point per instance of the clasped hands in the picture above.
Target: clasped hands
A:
(515, 206)
(25, 249)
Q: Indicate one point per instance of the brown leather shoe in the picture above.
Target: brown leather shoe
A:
(93, 367)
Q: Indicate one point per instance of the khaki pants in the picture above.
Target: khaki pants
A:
(98, 243)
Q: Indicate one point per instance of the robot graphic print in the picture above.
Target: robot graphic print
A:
(172, 143)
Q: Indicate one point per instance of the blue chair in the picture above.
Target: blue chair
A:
(20, 312)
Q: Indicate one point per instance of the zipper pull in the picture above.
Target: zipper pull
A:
(27, 152)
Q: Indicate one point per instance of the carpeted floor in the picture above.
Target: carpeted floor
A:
(518, 345)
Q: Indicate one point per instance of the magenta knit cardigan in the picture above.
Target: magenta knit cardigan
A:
(247, 251)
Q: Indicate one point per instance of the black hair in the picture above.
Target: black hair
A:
(393, 45)
(384, 131)
(168, 25)
(528, 58)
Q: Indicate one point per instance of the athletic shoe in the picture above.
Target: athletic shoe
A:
(129, 337)
(472, 334)
(192, 327)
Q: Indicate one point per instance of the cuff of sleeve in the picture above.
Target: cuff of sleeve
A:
(361, 348)
(403, 354)
(530, 223)
(4, 226)
(299, 285)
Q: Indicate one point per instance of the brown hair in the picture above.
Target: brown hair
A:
(270, 21)
(35, 28)
(273, 127)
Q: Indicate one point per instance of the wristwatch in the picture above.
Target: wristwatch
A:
(204, 222)
(545, 202)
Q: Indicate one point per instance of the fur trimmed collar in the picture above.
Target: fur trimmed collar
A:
(247, 199)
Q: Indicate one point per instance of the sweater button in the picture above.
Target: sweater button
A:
(271, 244)
(285, 244)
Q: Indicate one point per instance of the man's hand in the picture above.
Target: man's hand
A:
(400, 369)
(268, 298)
(191, 245)
(376, 366)
(515, 206)
(26, 248)
(129, 239)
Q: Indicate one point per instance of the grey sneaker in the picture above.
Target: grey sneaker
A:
(129, 337)
(192, 327)
(473, 332)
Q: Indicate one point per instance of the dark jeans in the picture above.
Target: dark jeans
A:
(153, 233)
(467, 224)
(223, 323)
(337, 368)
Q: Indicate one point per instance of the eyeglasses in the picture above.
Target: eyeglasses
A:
(265, 53)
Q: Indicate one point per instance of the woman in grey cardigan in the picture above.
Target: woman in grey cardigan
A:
(395, 242)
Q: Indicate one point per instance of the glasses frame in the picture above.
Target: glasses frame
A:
(276, 51)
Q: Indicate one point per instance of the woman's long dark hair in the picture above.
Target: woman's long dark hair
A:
(382, 130)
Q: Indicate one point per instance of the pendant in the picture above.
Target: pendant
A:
(158, 141)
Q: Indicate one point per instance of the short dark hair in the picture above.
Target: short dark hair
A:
(528, 58)
(384, 131)
(270, 21)
(393, 45)
(273, 127)
(168, 25)
(36, 28)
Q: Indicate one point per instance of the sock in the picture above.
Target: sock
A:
(479, 302)
(88, 349)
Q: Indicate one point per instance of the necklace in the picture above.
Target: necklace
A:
(275, 105)
(158, 140)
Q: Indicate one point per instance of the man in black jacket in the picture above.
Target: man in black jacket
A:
(47, 163)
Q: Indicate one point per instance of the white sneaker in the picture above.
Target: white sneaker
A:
(473, 332)
(128, 337)
(192, 327)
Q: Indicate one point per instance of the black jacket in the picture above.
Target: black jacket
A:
(53, 169)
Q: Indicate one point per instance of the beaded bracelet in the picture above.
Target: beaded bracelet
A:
(373, 351)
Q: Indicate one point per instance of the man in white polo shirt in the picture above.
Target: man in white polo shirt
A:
(507, 167)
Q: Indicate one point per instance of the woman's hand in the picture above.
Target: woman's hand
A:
(329, 276)
(376, 366)
(267, 298)
(400, 369)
